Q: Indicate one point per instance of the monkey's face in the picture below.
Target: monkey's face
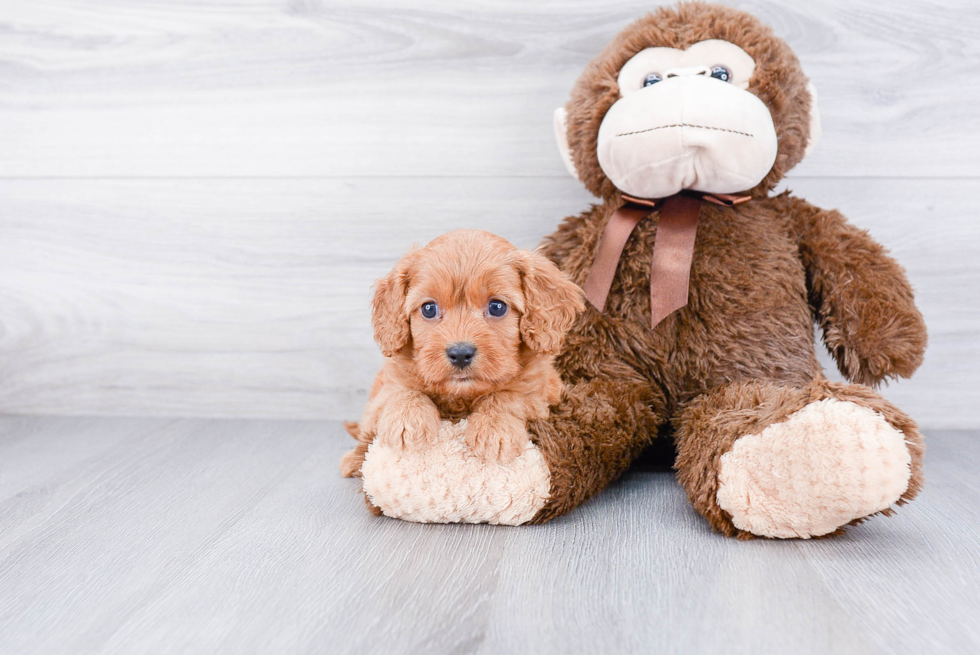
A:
(701, 97)
(686, 121)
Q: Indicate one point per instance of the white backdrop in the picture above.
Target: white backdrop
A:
(195, 197)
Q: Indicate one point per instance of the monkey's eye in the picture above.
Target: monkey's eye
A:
(721, 73)
(652, 78)
(497, 308)
(429, 309)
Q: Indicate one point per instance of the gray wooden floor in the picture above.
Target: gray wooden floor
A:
(201, 535)
(195, 197)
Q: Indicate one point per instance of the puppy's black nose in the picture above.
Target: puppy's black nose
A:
(461, 354)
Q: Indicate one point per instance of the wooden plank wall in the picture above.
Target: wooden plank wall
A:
(196, 197)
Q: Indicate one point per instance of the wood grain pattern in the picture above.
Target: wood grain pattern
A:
(250, 298)
(309, 87)
(143, 535)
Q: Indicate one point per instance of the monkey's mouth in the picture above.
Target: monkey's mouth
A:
(691, 125)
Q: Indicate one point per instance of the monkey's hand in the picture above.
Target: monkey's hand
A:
(875, 340)
(861, 298)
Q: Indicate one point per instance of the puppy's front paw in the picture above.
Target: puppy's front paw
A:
(409, 424)
(496, 438)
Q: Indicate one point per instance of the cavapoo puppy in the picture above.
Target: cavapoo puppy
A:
(469, 326)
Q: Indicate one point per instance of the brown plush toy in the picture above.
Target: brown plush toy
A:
(704, 290)
(703, 302)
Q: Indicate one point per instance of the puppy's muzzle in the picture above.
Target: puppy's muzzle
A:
(461, 354)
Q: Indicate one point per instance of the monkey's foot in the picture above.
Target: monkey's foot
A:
(829, 463)
(446, 482)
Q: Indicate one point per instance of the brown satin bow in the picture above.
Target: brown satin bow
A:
(673, 250)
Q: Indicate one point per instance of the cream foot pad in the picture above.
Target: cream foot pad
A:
(827, 464)
(446, 483)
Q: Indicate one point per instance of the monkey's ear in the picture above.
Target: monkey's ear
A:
(389, 314)
(815, 128)
(561, 135)
(551, 303)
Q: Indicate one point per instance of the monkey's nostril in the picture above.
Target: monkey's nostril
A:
(461, 354)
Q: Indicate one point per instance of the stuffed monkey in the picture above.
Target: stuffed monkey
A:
(704, 289)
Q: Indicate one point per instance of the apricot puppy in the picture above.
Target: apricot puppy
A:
(469, 326)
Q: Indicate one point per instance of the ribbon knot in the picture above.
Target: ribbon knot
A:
(673, 250)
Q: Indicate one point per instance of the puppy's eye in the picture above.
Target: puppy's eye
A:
(497, 308)
(429, 309)
(721, 73)
(652, 78)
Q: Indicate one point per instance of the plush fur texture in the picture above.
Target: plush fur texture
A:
(827, 464)
(711, 425)
(740, 356)
(447, 483)
(511, 378)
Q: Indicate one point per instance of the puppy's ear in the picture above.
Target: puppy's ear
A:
(551, 303)
(389, 315)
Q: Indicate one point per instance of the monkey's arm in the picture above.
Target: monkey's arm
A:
(607, 414)
(860, 295)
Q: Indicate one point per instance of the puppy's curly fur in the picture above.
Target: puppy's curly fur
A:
(511, 377)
